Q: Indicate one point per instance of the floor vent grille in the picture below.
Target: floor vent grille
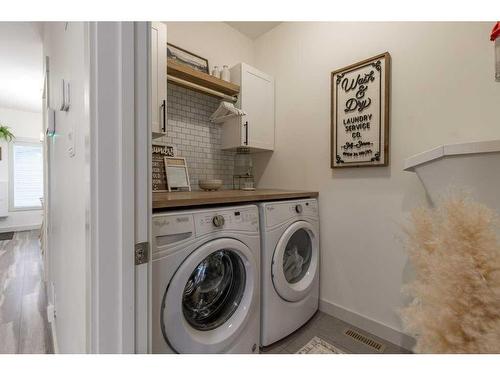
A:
(364, 340)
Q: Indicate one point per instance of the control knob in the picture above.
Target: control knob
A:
(218, 221)
(298, 208)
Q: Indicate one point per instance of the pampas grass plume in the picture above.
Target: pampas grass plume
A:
(455, 252)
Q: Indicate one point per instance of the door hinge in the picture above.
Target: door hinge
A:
(141, 253)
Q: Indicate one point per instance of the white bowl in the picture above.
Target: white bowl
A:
(210, 185)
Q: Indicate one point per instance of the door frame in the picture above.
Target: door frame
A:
(143, 184)
(120, 198)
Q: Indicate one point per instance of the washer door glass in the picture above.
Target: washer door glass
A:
(297, 256)
(214, 290)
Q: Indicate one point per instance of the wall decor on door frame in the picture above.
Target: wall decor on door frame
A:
(159, 175)
(360, 104)
(187, 58)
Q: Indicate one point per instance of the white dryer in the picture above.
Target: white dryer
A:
(205, 281)
(290, 266)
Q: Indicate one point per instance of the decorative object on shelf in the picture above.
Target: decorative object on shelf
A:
(243, 182)
(185, 76)
(177, 173)
(187, 58)
(225, 74)
(216, 72)
(225, 111)
(243, 170)
(210, 185)
(5, 135)
(360, 113)
(159, 151)
(495, 37)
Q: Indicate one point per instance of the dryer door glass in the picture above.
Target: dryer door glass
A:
(214, 290)
(297, 256)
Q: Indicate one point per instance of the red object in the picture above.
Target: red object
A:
(495, 33)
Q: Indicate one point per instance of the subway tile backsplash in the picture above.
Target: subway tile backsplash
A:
(195, 137)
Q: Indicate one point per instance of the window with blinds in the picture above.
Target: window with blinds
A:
(26, 182)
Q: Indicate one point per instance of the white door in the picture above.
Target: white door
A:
(257, 100)
(295, 261)
(210, 298)
(158, 78)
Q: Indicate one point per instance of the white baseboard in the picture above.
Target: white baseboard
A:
(376, 328)
(20, 228)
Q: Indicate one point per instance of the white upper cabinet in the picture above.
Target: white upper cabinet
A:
(255, 130)
(158, 78)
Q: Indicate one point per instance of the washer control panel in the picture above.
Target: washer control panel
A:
(167, 225)
(244, 219)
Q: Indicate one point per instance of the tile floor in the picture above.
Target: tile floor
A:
(23, 319)
(331, 330)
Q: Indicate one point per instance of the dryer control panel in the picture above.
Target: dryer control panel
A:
(280, 212)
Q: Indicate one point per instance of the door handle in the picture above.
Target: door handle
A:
(246, 133)
(164, 112)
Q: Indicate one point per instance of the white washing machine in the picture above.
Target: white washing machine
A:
(290, 266)
(205, 281)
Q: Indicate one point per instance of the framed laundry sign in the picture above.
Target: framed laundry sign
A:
(360, 113)
(159, 174)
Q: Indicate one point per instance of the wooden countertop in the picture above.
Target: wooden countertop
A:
(165, 200)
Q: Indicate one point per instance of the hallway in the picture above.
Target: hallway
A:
(23, 319)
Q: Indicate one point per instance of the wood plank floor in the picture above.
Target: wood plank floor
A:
(23, 319)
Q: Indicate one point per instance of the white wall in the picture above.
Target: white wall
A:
(443, 91)
(21, 71)
(28, 125)
(68, 206)
(218, 42)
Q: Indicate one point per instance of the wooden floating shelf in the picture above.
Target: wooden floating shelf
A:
(190, 75)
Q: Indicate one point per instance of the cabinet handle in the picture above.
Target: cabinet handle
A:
(246, 133)
(164, 111)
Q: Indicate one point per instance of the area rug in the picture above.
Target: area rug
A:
(319, 346)
(6, 236)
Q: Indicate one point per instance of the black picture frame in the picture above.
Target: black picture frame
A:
(187, 58)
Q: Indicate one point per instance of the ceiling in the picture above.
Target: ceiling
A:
(253, 29)
(21, 68)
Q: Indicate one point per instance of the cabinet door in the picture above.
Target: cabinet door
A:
(257, 100)
(158, 77)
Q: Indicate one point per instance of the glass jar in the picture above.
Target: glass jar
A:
(225, 74)
(243, 166)
(216, 72)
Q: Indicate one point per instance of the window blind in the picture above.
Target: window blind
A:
(27, 164)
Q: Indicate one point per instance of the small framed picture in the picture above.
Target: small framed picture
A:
(187, 58)
(177, 173)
